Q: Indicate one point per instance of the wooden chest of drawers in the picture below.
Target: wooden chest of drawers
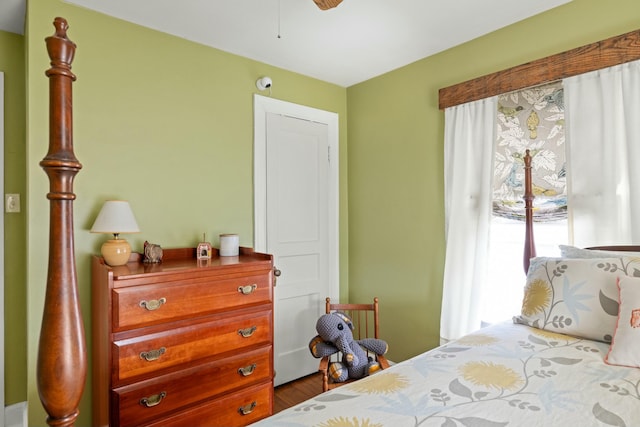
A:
(185, 342)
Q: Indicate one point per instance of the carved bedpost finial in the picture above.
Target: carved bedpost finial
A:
(61, 27)
(61, 49)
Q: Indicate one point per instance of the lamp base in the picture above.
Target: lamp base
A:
(116, 252)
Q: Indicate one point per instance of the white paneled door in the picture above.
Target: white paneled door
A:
(297, 166)
(300, 231)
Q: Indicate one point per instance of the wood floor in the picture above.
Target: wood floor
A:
(290, 394)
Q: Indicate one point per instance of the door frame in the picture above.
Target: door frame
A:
(2, 396)
(261, 106)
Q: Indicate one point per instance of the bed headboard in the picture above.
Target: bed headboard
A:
(623, 248)
(62, 359)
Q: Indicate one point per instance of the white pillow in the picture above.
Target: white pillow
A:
(575, 252)
(625, 347)
(576, 297)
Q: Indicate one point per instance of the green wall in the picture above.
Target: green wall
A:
(15, 270)
(164, 123)
(153, 114)
(396, 187)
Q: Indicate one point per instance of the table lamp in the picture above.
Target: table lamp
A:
(115, 217)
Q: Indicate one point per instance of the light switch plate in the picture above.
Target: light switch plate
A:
(12, 203)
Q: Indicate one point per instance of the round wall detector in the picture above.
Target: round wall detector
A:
(264, 83)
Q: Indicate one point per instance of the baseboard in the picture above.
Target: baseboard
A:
(16, 415)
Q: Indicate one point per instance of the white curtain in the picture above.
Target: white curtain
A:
(468, 167)
(603, 150)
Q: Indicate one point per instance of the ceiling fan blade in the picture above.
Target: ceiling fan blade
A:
(327, 4)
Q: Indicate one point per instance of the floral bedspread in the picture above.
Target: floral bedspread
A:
(503, 375)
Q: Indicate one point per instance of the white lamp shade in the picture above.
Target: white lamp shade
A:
(115, 217)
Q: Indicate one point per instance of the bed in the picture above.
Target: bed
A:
(570, 357)
(504, 375)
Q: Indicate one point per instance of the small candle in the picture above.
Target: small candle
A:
(229, 244)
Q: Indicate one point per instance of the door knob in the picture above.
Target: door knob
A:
(276, 274)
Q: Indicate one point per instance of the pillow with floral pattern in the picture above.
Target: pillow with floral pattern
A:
(576, 297)
(625, 347)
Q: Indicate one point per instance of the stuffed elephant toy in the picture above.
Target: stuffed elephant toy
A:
(335, 334)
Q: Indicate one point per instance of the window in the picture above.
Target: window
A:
(530, 119)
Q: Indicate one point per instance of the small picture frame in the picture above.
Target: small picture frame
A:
(204, 250)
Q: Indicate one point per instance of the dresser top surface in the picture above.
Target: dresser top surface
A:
(184, 259)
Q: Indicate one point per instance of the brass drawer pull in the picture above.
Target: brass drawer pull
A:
(247, 409)
(247, 332)
(152, 355)
(154, 304)
(154, 400)
(247, 370)
(247, 289)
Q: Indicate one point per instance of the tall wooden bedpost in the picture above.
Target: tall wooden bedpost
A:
(529, 243)
(62, 360)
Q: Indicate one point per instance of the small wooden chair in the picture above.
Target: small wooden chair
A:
(366, 325)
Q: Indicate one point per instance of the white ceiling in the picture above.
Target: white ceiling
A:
(12, 15)
(353, 42)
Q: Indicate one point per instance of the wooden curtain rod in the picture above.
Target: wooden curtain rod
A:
(606, 53)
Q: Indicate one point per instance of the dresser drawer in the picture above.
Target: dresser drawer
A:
(238, 409)
(155, 352)
(137, 306)
(142, 402)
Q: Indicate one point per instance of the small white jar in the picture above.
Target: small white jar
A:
(229, 244)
